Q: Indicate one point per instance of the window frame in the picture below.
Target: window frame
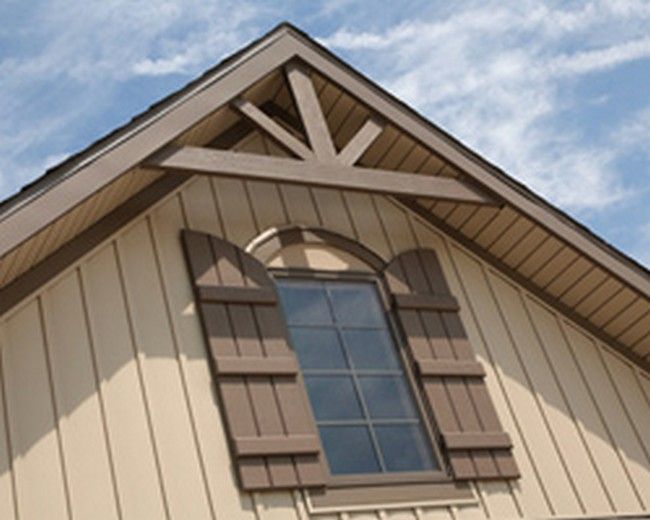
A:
(377, 480)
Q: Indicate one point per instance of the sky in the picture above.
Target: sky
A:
(556, 93)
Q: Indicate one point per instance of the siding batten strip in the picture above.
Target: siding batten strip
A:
(57, 416)
(535, 391)
(179, 359)
(433, 238)
(171, 420)
(76, 396)
(591, 388)
(583, 479)
(4, 429)
(100, 393)
(139, 363)
(229, 502)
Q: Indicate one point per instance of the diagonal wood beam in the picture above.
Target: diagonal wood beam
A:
(273, 129)
(208, 161)
(361, 141)
(310, 111)
(350, 154)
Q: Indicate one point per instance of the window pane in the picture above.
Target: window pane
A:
(387, 397)
(363, 405)
(349, 449)
(318, 348)
(356, 305)
(371, 349)
(304, 304)
(333, 397)
(405, 448)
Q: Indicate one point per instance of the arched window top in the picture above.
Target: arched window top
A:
(313, 248)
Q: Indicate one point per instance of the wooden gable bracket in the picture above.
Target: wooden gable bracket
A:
(316, 165)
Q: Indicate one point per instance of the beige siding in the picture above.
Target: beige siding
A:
(107, 406)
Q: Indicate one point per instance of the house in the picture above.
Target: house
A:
(280, 293)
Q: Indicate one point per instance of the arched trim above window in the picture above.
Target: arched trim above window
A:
(273, 241)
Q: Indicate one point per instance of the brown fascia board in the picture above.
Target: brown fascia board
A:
(476, 167)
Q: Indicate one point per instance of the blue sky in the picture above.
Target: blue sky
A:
(555, 93)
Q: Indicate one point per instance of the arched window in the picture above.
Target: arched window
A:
(336, 368)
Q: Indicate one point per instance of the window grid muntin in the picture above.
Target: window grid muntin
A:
(355, 380)
(432, 457)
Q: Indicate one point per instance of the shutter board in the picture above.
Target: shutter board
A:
(442, 367)
(476, 440)
(254, 295)
(287, 445)
(256, 366)
(432, 302)
(272, 435)
(450, 377)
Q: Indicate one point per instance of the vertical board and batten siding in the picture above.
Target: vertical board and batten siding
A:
(107, 406)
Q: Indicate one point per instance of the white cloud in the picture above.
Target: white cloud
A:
(162, 66)
(496, 74)
(76, 55)
(635, 133)
(601, 59)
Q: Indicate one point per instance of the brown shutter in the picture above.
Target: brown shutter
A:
(271, 431)
(450, 377)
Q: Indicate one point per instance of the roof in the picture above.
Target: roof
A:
(22, 216)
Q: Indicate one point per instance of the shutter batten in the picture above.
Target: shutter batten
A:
(291, 445)
(256, 366)
(258, 296)
(449, 376)
(266, 414)
(431, 302)
(476, 440)
(446, 368)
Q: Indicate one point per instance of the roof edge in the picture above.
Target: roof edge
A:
(105, 143)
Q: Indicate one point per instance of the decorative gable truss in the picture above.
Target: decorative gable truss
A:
(316, 162)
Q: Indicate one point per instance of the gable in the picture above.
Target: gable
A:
(522, 236)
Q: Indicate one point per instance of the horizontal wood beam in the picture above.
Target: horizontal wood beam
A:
(476, 440)
(273, 129)
(207, 161)
(427, 302)
(256, 366)
(278, 445)
(225, 294)
(450, 368)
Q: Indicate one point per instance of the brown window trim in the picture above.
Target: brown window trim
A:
(273, 240)
(366, 491)
(396, 496)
